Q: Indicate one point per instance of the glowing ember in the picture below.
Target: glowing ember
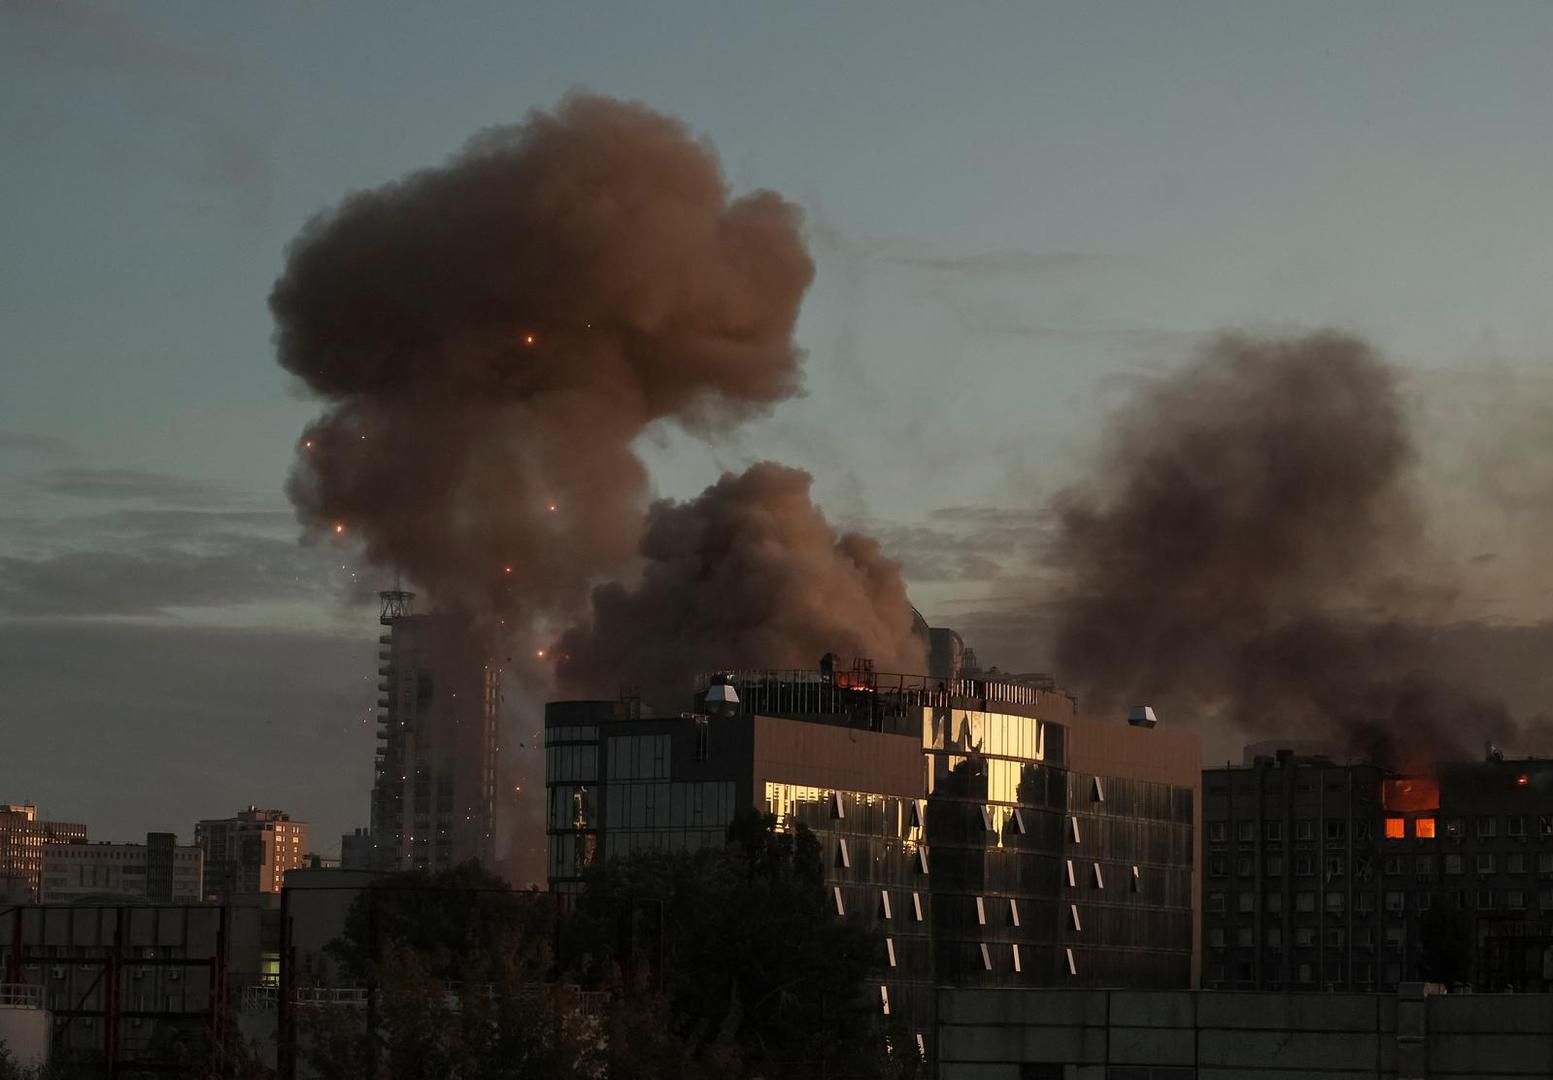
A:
(338, 528)
(1522, 780)
(528, 339)
(539, 652)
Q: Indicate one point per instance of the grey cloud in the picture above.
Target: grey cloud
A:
(1005, 262)
(128, 484)
(152, 581)
(30, 444)
(963, 543)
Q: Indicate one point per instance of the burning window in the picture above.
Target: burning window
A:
(1423, 828)
(1410, 793)
(1395, 828)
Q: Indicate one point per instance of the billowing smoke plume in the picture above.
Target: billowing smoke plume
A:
(1250, 553)
(748, 574)
(492, 334)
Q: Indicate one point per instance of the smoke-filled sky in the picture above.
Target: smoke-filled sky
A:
(1019, 223)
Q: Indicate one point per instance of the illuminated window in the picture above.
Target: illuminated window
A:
(889, 950)
(841, 908)
(981, 911)
(1423, 828)
(1395, 828)
(884, 905)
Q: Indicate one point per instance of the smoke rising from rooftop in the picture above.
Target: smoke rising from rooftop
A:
(1247, 553)
(747, 574)
(489, 337)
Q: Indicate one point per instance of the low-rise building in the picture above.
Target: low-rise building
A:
(160, 871)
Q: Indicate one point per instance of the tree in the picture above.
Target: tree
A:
(758, 975)
(455, 961)
(443, 918)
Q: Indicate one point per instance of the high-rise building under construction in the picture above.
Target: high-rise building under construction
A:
(434, 787)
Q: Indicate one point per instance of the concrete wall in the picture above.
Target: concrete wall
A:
(1174, 1035)
(25, 1034)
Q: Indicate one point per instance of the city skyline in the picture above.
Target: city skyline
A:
(1132, 195)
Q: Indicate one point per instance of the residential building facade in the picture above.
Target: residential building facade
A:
(1320, 876)
(434, 786)
(250, 852)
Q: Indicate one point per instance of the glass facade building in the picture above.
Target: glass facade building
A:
(989, 834)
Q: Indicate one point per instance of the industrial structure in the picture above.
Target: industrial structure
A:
(160, 871)
(434, 784)
(250, 852)
(989, 834)
(1326, 876)
(22, 836)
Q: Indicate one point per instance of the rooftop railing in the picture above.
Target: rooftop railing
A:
(800, 691)
(20, 996)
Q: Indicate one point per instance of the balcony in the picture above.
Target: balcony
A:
(382, 702)
(384, 687)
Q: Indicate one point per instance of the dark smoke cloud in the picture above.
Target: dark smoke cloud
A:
(748, 574)
(1246, 554)
(491, 336)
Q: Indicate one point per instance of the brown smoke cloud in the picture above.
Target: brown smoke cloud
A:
(1249, 553)
(492, 334)
(747, 574)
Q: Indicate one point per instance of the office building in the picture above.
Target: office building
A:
(159, 871)
(22, 836)
(250, 852)
(434, 787)
(1322, 876)
(991, 835)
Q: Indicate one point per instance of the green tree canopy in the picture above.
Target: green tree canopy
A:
(757, 974)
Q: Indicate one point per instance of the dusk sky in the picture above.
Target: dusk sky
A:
(1018, 214)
